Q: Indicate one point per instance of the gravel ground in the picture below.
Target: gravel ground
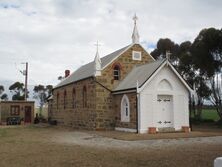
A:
(92, 140)
(37, 146)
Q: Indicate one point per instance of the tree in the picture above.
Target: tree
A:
(207, 56)
(182, 59)
(3, 96)
(18, 91)
(41, 93)
(1, 89)
(164, 45)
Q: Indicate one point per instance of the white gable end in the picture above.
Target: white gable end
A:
(163, 101)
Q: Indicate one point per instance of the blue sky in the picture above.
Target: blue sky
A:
(55, 35)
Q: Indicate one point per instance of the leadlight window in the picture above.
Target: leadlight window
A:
(65, 100)
(125, 109)
(84, 95)
(57, 101)
(73, 98)
(116, 72)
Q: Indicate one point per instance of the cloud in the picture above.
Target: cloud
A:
(54, 35)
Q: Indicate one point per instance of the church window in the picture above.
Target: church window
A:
(116, 72)
(65, 100)
(57, 101)
(84, 95)
(73, 98)
(136, 55)
(125, 109)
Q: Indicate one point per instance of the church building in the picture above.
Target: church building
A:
(127, 90)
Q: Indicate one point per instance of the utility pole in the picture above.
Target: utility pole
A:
(25, 73)
(26, 80)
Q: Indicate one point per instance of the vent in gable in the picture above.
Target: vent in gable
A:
(136, 55)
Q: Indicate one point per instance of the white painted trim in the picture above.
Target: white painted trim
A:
(143, 131)
(147, 52)
(124, 91)
(138, 111)
(126, 50)
(136, 52)
(157, 71)
(152, 76)
(179, 76)
(125, 129)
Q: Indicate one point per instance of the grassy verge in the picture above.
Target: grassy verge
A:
(3, 132)
(210, 114)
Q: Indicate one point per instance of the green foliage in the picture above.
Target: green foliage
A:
(18, 91)
(4, 97)
(41, 93)
(1, 89)
(199, 63)
(210, 114)
(164, 45)
(207, 51)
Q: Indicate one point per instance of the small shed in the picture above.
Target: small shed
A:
(13, 112)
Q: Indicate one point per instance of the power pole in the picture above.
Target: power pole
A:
(26, 80)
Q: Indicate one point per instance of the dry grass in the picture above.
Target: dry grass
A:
(32, 147)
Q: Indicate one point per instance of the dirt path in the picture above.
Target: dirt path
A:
(97, 141)
(62, 147)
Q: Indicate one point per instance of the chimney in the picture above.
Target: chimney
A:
(67, 73)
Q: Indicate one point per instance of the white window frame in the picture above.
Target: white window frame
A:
(136, 52)
(125, 109)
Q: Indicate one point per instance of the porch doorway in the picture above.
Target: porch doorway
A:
(28, 114)
(165, 110)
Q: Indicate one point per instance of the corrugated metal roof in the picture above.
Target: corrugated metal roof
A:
(87, 70)
(139, 74)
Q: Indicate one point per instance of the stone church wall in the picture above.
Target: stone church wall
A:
(78, 116)
(132, 124)
(126, 63)
(102, 106)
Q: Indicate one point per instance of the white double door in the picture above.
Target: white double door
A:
(165, 110)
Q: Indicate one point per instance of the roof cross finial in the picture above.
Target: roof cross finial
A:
(97, 61)
(135, 18)
(135, 35)
(97, 46)
(168, 53)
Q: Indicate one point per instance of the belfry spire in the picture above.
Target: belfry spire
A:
(135, 35)
(97, 61)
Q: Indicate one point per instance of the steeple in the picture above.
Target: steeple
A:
(135, 35)
(97, 62)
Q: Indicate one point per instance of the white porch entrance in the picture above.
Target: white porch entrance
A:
(165, 110)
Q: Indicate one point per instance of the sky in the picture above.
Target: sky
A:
(55, 35)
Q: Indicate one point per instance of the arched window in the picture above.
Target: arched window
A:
(57, 101)
(84, 96)
(73, 98)
(65, 99)
(125, 109)
(116, 72)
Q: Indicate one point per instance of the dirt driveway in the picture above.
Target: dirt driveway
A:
(58, 147)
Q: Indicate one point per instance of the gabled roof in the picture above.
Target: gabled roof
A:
(139, 75)
(88, 70)
(143, 73)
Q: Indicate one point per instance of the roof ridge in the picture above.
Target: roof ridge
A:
(86, 70)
